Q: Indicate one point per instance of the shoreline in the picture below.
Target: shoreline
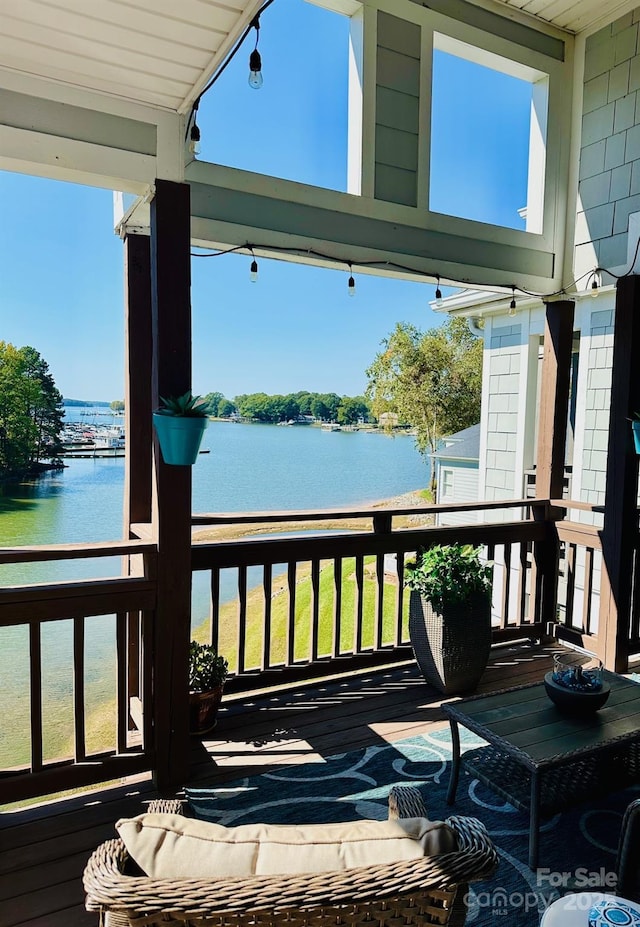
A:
(412, 499)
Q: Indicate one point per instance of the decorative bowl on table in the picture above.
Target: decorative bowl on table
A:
(576, 685)
(613, 914)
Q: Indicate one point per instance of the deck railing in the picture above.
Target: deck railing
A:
(337, 597)
(328, 598)
(59, 751)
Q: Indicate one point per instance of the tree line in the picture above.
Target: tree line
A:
(261, 407)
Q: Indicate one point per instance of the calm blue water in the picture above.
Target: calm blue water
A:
(249, 468)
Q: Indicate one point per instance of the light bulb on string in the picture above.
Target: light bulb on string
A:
(194, 139)
(512, 304)
(255, 61)
(253, 271)
(438, 292)
(351, 283)
(595, 284)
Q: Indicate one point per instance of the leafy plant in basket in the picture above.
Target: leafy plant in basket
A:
(207, 674)
(180, 424)
(450, 615)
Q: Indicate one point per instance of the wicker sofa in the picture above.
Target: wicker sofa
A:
(430, 890)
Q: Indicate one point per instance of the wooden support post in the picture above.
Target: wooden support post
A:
(138, 383)
(620, 531)
(171, 322)
(552, 435)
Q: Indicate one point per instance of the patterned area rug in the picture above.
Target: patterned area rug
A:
(577, 848)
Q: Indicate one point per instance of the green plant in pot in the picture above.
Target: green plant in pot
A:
(450, 615)
(180, 423)
(207, 674)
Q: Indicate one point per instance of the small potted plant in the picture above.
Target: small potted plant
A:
(207, 674)
(180, 424)
(450, 615)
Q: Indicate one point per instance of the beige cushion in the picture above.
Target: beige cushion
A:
(168, 846)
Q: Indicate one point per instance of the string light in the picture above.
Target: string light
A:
(194, 139)
(253, 270)
(595, 284)
(255, 61)
(438, 292)
(406, 269)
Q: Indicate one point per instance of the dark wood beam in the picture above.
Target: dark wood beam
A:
(550, 458)
(171, 323)
(620, 530)
(138, 384)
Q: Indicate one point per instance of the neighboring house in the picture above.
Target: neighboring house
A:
(457, 472)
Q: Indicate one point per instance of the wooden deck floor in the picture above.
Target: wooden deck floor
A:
(43, 849)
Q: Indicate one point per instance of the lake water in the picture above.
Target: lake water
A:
(248, 468)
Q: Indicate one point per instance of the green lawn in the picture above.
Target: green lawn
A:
(228, 637)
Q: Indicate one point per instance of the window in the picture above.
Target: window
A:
(488, 136)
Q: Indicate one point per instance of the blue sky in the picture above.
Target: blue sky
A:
(61, 266)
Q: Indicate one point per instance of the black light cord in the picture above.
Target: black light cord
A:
(392, 265)
(254, 24)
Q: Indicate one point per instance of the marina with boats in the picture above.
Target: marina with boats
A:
(88, 439)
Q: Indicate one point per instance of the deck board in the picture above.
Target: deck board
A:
(43, 848)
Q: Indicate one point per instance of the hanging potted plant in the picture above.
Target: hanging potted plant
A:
(180, 423)
(450, 615)
(207, 674)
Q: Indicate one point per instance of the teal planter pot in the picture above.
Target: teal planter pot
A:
(180, 437)
(636, 435)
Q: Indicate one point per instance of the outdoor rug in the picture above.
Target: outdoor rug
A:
(577, 848)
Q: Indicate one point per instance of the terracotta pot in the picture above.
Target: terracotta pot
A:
(203, 710)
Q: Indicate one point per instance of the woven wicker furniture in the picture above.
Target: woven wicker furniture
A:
(542, 761)
(419, 892)
(452, 647)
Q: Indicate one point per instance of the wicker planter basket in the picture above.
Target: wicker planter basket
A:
(452, 649)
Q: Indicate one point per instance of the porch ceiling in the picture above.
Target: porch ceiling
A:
(572, 15)
(155, 52)
(161, 53)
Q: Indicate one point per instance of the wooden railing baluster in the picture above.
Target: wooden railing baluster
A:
(399, 599)
(35, 694)
(315, 610)
(214, 630)
(588, 589)
(359, 601)
(78, 690)
(267, 583)
(337, 607)
(379, 606)
(241, 638)
(122, 701)
(291, 624)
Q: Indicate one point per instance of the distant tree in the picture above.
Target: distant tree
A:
(117, 405)
(304, 400)
(213, 400)
(324, 406)
(432, 380)
(225, 408)
(353, 410)
(31, 411)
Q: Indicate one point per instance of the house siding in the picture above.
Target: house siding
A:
(609, 178)
(464, 489)
(502, 411)
(397, 110)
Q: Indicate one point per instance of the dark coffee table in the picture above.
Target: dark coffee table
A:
(542, 761)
